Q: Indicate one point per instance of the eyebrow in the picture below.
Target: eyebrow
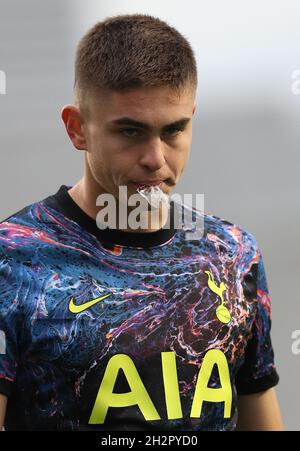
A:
(132, 122)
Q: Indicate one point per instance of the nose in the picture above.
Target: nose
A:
(153, 155)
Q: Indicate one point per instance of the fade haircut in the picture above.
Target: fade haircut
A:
(131, 51)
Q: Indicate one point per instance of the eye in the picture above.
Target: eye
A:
(174, 131)
(130, 132)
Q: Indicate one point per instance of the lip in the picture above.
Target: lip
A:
(149, 183)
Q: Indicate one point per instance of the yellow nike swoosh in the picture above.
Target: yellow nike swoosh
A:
(80, 308)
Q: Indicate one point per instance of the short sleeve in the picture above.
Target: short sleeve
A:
(258, 372)
(8, 325)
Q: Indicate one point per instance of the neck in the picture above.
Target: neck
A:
(86, 191)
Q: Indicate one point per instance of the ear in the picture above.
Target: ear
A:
(71, 117)
(194, 109)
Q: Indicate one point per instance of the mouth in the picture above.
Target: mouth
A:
(145, 184)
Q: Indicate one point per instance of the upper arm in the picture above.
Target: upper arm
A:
(3, 403)
(9, 328)
(259, 412)
(257, 376)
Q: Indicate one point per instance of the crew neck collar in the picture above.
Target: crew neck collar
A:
(64, 203)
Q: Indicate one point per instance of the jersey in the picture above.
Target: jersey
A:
(115, 330)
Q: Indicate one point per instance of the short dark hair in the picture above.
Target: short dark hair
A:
(133, 50)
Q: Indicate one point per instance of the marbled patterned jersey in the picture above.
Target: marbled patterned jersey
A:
(110, 330)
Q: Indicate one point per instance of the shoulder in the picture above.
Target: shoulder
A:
(19, 231)
(18, 245)
(227, 237)
(239, 242)
(230, 231)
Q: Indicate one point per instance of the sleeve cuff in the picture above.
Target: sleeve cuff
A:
(257, 385)
(5, 387)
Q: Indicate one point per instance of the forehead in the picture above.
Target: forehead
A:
(145, 103)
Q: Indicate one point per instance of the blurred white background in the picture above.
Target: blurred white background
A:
(245, 151)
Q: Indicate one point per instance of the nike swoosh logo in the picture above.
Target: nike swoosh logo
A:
(80, 308)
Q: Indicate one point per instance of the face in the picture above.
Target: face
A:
(134, 137)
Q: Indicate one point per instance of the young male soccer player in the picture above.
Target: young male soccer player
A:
(124, 329)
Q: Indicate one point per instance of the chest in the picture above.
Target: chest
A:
(82, 314)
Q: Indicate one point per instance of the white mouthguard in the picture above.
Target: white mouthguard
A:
(153, 195)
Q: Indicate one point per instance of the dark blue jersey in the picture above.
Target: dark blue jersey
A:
(115, 330)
